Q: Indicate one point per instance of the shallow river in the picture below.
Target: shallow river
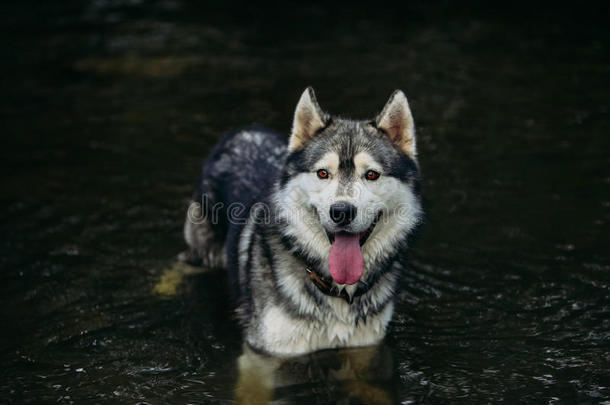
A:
(109, 106)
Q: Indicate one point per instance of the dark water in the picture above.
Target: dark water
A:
(109, 106)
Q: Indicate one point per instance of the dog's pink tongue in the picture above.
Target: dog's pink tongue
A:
(345, 261)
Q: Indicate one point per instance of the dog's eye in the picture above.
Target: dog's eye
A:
(322, 173)
(371, 175)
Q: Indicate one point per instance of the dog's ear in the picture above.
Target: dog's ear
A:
(397, 122)
(308, 120)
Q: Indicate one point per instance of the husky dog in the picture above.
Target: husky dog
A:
(312, 230)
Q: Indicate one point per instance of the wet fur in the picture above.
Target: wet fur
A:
(267, 249)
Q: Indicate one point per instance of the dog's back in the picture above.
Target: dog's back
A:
(239, 171)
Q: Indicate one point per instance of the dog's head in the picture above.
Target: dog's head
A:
(348, 195)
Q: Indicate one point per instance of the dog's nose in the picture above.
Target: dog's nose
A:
(342, 213)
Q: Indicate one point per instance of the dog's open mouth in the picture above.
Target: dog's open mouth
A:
(362, 236)
(345, 260)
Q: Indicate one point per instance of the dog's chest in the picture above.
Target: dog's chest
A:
(281, 333)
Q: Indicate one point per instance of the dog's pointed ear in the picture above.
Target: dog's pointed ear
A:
(397, 122)
(308, 120)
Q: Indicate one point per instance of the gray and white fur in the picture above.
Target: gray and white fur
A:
(263, 208)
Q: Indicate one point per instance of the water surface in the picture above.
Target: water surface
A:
(110, 106)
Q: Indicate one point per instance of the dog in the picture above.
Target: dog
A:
(313, 229)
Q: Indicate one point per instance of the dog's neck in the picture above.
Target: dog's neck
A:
(323, 283)
(326, 286)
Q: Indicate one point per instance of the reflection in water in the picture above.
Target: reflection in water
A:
(357, 375)
(172, 278)
(109, 107)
